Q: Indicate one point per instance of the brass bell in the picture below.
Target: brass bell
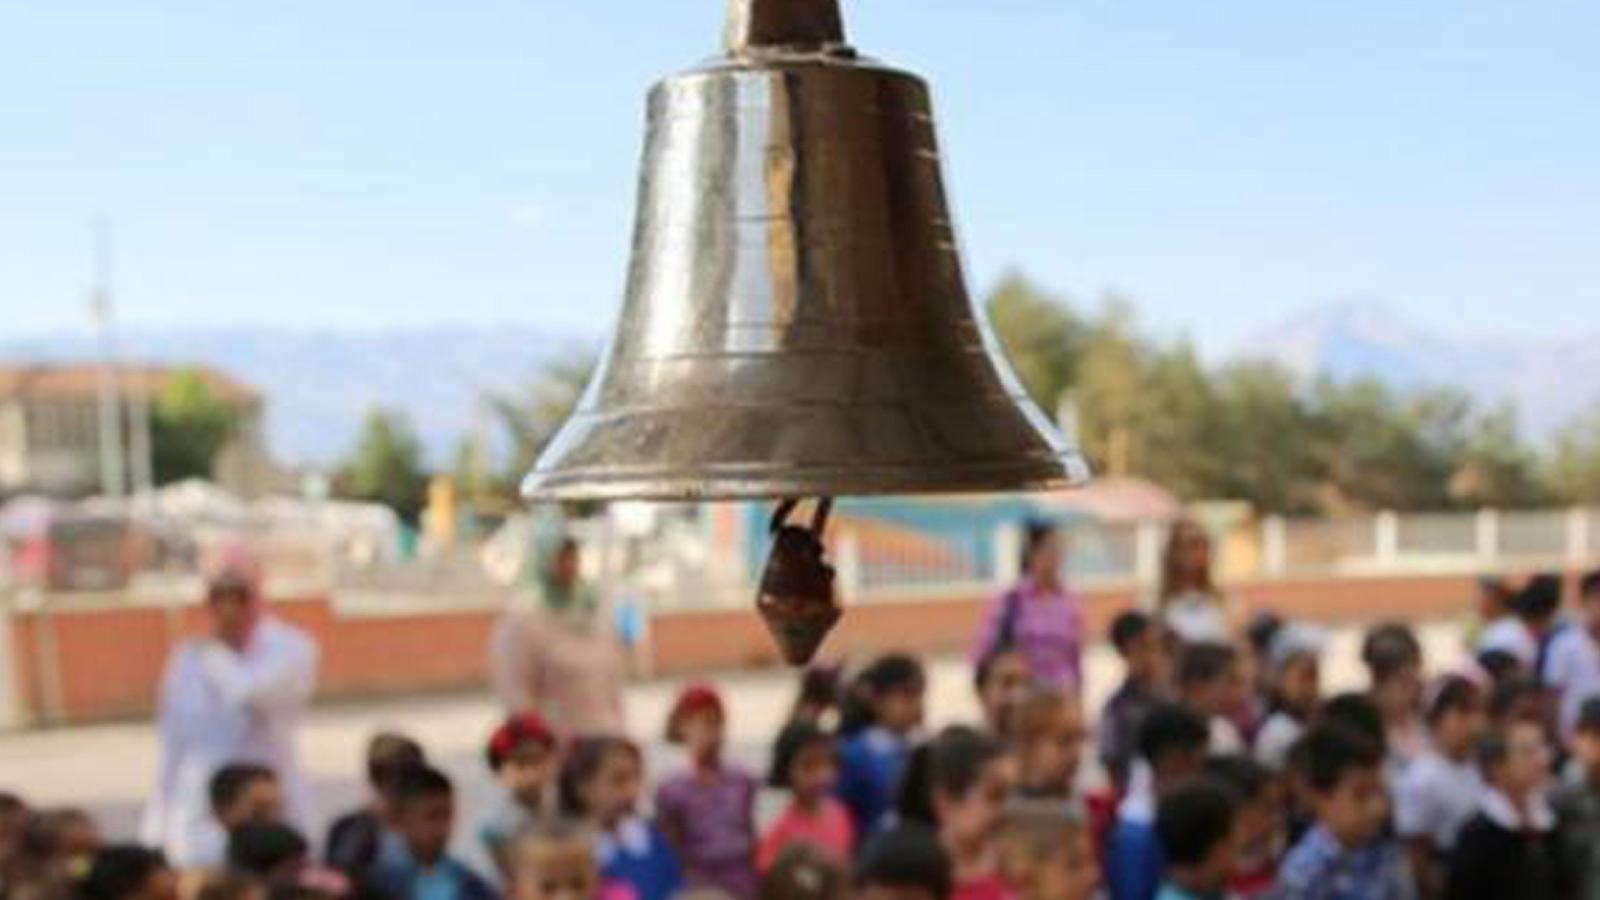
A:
(795, 322)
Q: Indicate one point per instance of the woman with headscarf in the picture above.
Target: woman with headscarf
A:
(235, 695)
(1038, 618)
(1187, 601)
(559, 659)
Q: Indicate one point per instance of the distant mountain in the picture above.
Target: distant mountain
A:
(1549, 381)
(319, 385)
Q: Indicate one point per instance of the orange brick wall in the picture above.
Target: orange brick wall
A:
(112, 657)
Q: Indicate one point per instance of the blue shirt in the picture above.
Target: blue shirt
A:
(869, 775)
(1135, 863)
(637, 853)
(400, 876)
(1170, 891)
(1320, 868)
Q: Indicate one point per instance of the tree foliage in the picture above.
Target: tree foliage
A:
(1248, 431)
(387, 466)
(531, 416)
(189, 426)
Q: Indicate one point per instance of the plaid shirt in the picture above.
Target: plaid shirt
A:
(1320, 868)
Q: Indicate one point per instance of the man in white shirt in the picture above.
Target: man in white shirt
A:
(234, 696)
(1573, 666)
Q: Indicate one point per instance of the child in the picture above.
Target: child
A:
(802, 872)
(1144, 660)
(1577, 804)
(127, 872)
(1573, 669)
(1002, 677)
(14, 816)
(522, 755)
(55, 844)
(1510, 848)
(882, 711)
(1260, 822)
(241, 794)
(1211, 681)
(1393, 658)
(231, 886)
(600, 783)
(1296, 688)
(352, 844)
(708, 812)
(1197, 825)
(806, 763)
(1046, 853)
(1439, 793)
(906, 862)
(818, 697)
(1172, 748)
(1344, 855)
(1047, 740)
(551, 859)
(414, 863)
(957, 784)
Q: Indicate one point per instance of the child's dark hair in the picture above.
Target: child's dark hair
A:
(43, 832)
(388, 753)
(1589, 585)
(987, 663)
(896, 671)
(120, 871)
(1539, 599)
(230, 782)
(1390, 648)
(819, 686)
(1243, 775)
(1204, 662)
(1500, 665)
(801, 872)
(1193, 818)
(908, 856)
(419, 783)
(1453, 693)
(950, 763)
(1129, 626)
(1326, 753)
(1589, 717)
(258, 849)
(229, 886)
(1170, 727)
(583, 761)
(793, 740)
(1509, 692)
(1262, 630)
(1357, 712)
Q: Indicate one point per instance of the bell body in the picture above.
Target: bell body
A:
(796, 322)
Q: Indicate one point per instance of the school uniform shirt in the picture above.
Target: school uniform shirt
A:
(352, 842)
(826, 829)
(501, 822)
(400, 876)
(869, 775)
(1276, 735)
(1501, 854)
(1576, 804)
(712, 818)
(219, 705)
(1225, 738)
(1320, 868)
(637, 853)
(1435, 799)
(1573, 670)
(1118, 739)
(1134, 861)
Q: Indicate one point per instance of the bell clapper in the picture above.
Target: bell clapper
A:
(796, 596)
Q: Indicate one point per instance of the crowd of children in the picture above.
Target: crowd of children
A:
(1214, 770)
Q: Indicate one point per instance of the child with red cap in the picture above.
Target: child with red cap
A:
(522, 755)
(708, 812)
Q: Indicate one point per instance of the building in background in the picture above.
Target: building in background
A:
(50, 433)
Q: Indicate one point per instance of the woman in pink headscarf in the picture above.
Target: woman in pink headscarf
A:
(235, 695)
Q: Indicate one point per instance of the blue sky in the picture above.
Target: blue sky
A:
(366, 164)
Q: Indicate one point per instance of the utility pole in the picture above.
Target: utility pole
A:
(113, 482)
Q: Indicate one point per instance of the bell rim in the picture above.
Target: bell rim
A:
(756, 481)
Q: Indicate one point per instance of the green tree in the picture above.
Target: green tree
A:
(1266, 441)
(387, 466)
(189, 427)
(1041, 336)
(1574, 468)
(1384, 451)
(1495, 468)
(531, 416)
